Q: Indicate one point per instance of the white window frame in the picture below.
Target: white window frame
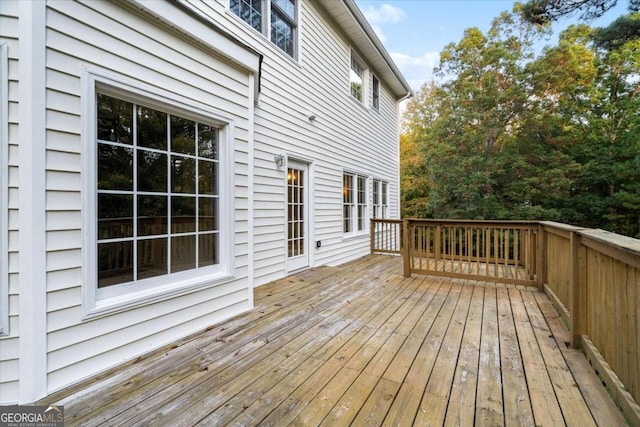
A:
(375, 92)
(353, 57)
(380, 194)
(4, 189)
(98, 302)
(354, 205)
(265, 9)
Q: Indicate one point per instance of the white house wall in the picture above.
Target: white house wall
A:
(108, 37)
(118, 39)
(345, 136)
(9, 345)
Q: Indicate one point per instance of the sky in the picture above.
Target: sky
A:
(414, 32)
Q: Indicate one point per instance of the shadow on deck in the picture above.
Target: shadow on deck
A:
(361, 344)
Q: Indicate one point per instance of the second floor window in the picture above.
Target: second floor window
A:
(356, 78)
(250, 11)
(375, 100)
(275, 19)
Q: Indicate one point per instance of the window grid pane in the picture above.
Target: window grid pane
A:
(157, 200)
(250, 11)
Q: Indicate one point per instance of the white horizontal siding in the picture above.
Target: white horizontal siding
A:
(85, 367)
(9, 356)
(111, 37)
(346, 135)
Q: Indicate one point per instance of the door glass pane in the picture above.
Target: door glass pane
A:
(295, 209)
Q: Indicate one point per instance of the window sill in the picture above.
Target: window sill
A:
(361, 104)
(356, 235)
(117, 304)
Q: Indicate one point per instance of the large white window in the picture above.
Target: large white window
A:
(380, 199)
(276, 19)
(159, 217)
(354, 195)
(4, 197)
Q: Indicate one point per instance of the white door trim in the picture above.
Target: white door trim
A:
(297, 215)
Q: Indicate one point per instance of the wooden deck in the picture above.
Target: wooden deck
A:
(361, 345)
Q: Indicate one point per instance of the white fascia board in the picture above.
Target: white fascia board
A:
(201, 28)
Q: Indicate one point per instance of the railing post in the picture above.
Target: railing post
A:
(372, 232)
(406, 249)
(541, 256)
(577, 291)
(437, 247)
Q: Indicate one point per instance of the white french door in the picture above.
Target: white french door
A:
(297, 215)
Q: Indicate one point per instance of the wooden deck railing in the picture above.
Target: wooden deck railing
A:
(592, 276)
(503, 252)
(386, 236)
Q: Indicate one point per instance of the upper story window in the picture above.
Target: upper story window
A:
(375, 100)
(276, 19)
(283, 24)
(250, 11)
(356, 78)
(354, 194)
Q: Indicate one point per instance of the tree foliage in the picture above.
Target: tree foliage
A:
(506, 134)
(620, 31)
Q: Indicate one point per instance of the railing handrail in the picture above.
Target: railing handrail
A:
(473, 221)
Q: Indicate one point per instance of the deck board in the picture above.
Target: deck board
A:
(360, 344)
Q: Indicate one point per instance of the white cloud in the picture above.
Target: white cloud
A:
(416, 69)
(384, 14)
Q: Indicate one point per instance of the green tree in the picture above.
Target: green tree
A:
(620, 31)
(481, 107)
(505, 135)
